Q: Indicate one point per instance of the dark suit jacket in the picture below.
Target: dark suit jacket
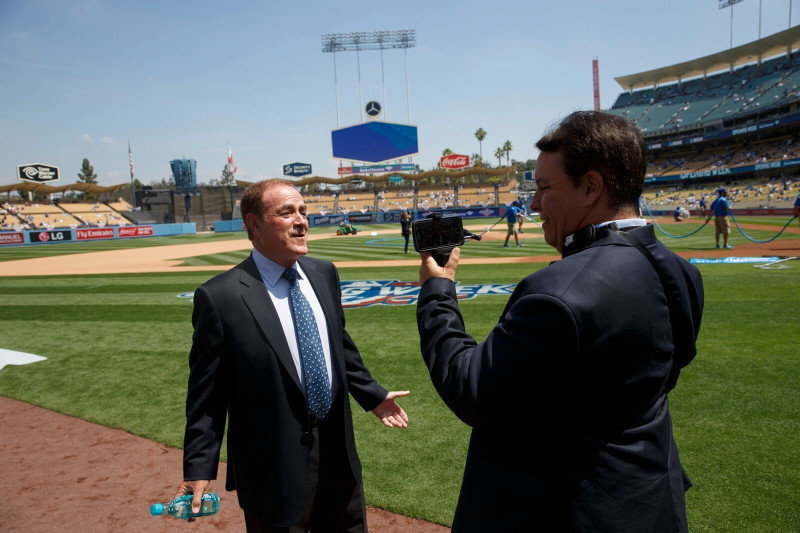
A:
(240, 365)
(567, 396)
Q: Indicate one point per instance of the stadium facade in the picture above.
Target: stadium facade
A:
(730, 118)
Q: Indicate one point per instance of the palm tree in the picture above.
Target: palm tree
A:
(446, 152)
(480, 134)
(499, 153)
(507, 148)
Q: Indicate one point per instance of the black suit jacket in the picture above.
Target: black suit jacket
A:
(240, 365)
(567, 396)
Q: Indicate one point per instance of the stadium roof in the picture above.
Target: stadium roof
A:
(773, 45)
(43, 188)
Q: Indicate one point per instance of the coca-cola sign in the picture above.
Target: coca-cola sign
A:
(454, 161)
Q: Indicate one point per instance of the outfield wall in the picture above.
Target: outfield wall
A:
(222, 226)
(768, 212)
(21, 238)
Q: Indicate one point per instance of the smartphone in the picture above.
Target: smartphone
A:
(437, 233)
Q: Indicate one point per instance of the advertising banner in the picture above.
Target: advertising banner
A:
(454, 161)
(326, 220)
(94, 233)
(50, 236)
(37, 173)
(375, 142)
(135, 231)
(297, 169)
(375, 169)
(11, 238)
(361, 218)
(726, 171)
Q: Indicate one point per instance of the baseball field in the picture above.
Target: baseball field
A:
(113, 320)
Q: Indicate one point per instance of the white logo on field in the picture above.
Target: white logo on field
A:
(394, 292)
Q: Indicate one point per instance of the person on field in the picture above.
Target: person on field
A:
(720, 208)
(512, 214)
(405, 226)
(567, 395)
(523, 213)
(270, 353)
(796, 210)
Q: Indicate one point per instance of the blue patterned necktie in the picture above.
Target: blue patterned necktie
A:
(318, 388)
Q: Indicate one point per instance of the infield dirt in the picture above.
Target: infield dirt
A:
(65, 474)
(170, 258)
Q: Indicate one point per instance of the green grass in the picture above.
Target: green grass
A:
(117, 348)
(48, 250)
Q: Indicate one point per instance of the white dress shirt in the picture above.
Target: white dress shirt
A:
(278, 289)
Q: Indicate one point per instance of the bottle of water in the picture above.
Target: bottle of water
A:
(182, 507)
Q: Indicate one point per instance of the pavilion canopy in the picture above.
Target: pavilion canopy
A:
(779, 43)
(42, 188)
(438, 173)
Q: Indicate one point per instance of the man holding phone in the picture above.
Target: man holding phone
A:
(567, 396)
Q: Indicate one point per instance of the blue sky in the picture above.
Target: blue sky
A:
(78, 79)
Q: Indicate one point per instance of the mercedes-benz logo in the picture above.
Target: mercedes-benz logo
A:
(373, 108)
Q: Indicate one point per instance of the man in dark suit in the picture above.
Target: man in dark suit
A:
(270, 351)
(567, 396)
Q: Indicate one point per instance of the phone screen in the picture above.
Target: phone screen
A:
(435, 233)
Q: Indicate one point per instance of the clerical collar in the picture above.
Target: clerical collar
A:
(623, 223)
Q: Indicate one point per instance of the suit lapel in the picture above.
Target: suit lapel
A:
(319, 282)
(257, 300)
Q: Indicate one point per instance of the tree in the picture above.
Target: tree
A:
(87, 175)
(480, 134)
(137, 184)
(499, 153)
(165, 183)
(507, 149)
(446, 152)
(227, 177)
(477, 161)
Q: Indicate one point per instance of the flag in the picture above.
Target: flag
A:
(231, 166)
(130, 158)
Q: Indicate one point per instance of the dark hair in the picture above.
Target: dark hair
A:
(610, 145)
(252, 199)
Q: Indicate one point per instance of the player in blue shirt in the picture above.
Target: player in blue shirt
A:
(721, 207)
(512, 214)
(523, 213)
(796, 211)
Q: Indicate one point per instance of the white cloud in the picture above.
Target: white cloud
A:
(114, 174)
(105, 139)
(87, 138)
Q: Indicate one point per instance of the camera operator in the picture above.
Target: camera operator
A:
(567, 396)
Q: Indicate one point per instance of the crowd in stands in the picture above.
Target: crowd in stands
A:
(778, 191)
(429, 197)
(36, 216)
(787, 147)
(753, 87)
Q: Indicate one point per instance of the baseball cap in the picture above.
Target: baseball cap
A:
(722, 190)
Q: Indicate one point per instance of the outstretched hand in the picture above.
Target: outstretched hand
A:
(391, 414)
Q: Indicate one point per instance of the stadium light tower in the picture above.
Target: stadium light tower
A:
(730, 3)
(369, 40)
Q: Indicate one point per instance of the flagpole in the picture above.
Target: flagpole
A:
(133, 187)
(232, 180)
